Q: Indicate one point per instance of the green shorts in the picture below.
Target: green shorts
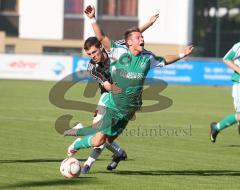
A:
(113, 123)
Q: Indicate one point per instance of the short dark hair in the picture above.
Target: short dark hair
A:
(91, 41)
(129, 32)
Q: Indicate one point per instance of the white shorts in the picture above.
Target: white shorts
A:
(100, 110)
(236, 96)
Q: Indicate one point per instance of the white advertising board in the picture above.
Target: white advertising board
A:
(35, 67)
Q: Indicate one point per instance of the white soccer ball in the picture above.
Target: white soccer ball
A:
(70, 168)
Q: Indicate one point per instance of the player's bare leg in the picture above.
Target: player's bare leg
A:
(96, 139)
(113, 147)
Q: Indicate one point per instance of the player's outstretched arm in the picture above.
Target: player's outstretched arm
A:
(173, 58)
(105, 41)
(151, 21)
(230, 64)
(230, 56)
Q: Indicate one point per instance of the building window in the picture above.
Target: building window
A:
(73, 19)
(73, 7)
(10, 48)
(110, 7)
(9, 18)
(123, 8)
(128, 8)
(8, 5)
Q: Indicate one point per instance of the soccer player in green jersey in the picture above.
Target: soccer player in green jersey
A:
(99, 69)
(129, 67)
(231, 59)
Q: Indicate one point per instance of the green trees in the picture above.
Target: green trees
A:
(216, 26)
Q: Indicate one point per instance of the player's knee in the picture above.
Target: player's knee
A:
(98, 142)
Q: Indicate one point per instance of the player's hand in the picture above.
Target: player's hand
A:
(154, 18)
(188, 50)
(90, 11)
(115, 89)
(111, 87)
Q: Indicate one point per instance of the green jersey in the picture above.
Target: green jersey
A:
(234, 55)
(129, 71)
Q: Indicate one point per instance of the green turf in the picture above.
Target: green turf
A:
(31, 149)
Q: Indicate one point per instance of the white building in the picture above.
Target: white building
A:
(38, 26)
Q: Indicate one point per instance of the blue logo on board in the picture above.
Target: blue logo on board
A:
(58, 68)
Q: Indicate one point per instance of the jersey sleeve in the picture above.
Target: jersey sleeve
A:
(233, 53)
(120, 42)
(156, 61)
(98, 76)
(115, 52)
(116, 44)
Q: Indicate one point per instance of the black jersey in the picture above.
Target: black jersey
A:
(100, 71)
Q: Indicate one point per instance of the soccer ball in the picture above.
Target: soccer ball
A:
(70, 168)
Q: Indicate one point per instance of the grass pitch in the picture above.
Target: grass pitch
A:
(168, 149)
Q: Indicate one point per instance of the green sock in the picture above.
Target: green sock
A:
(227, 122)
(85, 142)
(85, 131)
